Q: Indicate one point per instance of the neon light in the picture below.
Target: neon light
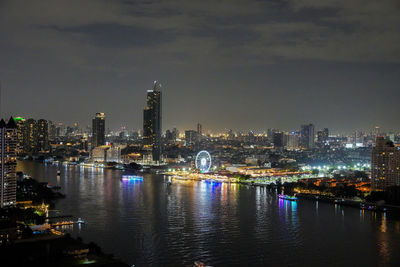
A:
(132, 178)
(285, 197)
(19, 119)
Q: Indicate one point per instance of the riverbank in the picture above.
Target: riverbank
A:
(362, 204)
(59, 251)
(28, 238)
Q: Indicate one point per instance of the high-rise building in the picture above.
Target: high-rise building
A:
(278, 140)
(60, 129)
(152, 121)
(98, 128)
(326, 131)
(307, 136)
(20, 122)
(52, 131)
(175, 133)
(385, 164)
(292, 140)
(199, 129)
(8, 164)
(270, 134)
(42, 135)
(30, 136)
(191, 137)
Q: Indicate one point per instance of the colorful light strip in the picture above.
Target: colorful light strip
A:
(132, 178)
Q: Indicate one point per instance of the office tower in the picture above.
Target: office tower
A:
(30, 136)
(231, 135)
(292, 140)
(322, 136)
(169, 136)
(60, 130)
(377, 131)
(42, 135)
(152, 121)
(278, 140)
(20, 122)
(326, 131)
(307, 136)
(199, 129)
(98, 128)
(385, 164)
(191, 137)
(8, 164)
(270, 134)
(52, 131)
(175, 133)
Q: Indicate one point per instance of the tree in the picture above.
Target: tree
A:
(315, 172)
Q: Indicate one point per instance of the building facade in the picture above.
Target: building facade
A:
(307, 136)
(98, 130)
(191, 137)
(385, 165)
(20, 122)
(8, 164)
(199, 129)
(30, 136)
(42, 135)
(152, 122)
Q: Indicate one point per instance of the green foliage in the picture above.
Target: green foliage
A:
(241, 177)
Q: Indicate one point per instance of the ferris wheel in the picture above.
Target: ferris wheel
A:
(203, 161)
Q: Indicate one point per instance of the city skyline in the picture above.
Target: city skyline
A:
(253, 65)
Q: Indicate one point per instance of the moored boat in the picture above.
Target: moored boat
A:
(286, 197)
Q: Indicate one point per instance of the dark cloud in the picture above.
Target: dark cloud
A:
(256, 64)
(116, 35)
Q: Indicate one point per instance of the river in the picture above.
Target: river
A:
(149, 223)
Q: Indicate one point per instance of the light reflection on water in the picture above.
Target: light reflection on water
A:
(150, 223)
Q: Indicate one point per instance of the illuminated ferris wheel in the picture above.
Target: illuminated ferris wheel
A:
(203, 161)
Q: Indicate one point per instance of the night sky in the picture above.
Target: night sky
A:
(239, 64)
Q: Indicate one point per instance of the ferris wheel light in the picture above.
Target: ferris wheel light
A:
(203, 161)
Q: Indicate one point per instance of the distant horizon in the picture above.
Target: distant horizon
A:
(209, 131)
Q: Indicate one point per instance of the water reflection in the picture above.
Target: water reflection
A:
(151, 223)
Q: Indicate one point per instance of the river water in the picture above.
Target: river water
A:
(149, 223)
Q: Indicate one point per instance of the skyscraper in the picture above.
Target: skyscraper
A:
(278, 140)
(98, 134)
(42, 135)
(152, 121)
(30, 136)
(199, 129)
(8, 164)
(385, 164)
(191, 137)
(307, 136)
(292, 140)
(52, 131)
(20, 122)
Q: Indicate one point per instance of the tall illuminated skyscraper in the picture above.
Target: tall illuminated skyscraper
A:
(8, 164)
(152, 121)
(98, 130)
(20, 122)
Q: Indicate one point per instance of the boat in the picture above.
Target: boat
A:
(286, 197)
(131, 178)
(80, 221)
(200, 264)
